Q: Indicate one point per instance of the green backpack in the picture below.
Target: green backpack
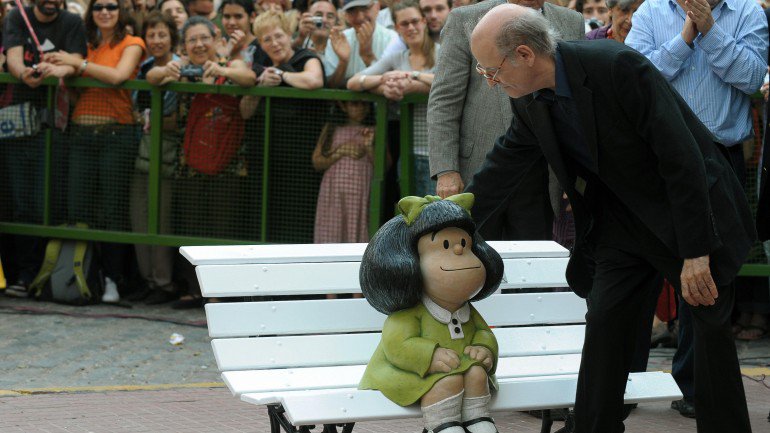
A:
(69, 274)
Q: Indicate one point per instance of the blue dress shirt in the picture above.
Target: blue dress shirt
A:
(718, 73)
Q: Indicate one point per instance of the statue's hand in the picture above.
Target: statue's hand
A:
(481, 354)
(444, 361)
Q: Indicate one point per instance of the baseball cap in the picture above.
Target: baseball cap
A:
(356, 3)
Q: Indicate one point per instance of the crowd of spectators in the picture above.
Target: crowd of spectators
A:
(320, 160)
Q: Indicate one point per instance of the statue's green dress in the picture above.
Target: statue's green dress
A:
(399, 366)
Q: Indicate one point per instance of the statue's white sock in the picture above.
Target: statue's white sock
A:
(442, 412)
(474, 408)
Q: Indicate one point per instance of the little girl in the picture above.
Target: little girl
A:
(345, 154)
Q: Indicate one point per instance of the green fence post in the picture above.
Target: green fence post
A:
(265, 171)
(380, 160)
(47, 161)
(406, 156)
(156, 145)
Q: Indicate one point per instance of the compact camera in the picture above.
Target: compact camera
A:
(318, 21)
(191, 71)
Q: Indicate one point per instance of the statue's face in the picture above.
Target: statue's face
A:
(451, 272)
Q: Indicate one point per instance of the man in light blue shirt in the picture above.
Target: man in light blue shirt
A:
(715, 54)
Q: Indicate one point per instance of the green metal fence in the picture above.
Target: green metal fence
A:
(260, 195)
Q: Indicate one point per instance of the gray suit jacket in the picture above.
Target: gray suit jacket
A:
(465, 116)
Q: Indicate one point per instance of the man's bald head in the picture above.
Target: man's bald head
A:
(514, 45)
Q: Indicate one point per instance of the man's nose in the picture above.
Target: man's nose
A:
(458, 249)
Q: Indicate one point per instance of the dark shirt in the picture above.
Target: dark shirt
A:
(65, 33)
(565, 118)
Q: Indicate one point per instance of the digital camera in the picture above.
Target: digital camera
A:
(191, 71)
(318, 21)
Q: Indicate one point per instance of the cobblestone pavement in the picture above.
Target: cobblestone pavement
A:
(97, 372)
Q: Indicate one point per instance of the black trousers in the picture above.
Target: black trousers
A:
(624, 278)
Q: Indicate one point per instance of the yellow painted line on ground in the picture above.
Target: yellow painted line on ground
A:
(748, 371)
(159, 387)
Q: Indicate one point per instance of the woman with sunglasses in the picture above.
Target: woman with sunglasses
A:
(403, 73)
(104, 135)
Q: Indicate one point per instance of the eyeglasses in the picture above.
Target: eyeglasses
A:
(202, 39)
(110, 7)
(405, 24)
(490, 73)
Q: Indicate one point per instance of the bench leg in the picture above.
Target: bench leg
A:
(346, 428)
(569, 423)
(547, 422)
(278, 420)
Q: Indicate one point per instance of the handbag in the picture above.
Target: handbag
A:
(20, 120)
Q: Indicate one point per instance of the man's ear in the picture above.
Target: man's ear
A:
(525, 55)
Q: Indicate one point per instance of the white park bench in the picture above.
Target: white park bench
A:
(303, 359)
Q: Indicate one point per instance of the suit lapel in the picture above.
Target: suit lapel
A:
(583, 96)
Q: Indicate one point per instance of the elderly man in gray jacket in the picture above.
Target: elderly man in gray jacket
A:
(465, 117)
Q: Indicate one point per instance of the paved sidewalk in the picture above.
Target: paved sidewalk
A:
(95, 372)
(215, 410)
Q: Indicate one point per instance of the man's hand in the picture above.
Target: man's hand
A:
(699, 12)
(31, 77)
(698, 288)
(444, 361)
(340, 44)
(49, 70)
(689, 32)
(449, 183)
(364, 35)
(482, 354)
(306, 25)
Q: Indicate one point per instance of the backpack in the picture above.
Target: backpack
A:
(69, 274)
(214, 132)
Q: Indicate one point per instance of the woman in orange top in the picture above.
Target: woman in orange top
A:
(104, 134)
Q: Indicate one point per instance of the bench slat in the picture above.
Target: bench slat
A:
(342, 277)
(353, 349)
(243, 254)
(292, 379)
(326, 316)
(352, 405)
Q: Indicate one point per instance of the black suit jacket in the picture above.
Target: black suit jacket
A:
(651, 150)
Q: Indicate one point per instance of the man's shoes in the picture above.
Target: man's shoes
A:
(139, 295)
(684, 407)
(161, 296)
(17, 290)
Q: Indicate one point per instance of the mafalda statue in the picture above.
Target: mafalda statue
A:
(423, 269)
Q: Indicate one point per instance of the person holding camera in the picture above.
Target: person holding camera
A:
(23, 157)
(201, 63)
(315, 25)
(103, 136)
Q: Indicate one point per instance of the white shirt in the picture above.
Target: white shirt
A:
(380, 39)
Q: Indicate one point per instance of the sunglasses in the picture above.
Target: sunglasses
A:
(490, 73)
(111, 7)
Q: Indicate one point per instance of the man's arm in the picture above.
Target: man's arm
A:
(740, 61)
(668, 56)
(511, 158)
(447, 97)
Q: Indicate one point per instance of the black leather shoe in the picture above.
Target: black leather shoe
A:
(445, 426)
(684, 407)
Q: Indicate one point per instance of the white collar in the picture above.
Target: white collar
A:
(463, 314)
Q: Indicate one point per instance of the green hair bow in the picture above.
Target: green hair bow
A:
(411, 206)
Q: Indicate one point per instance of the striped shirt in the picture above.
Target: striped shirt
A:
(716, 76)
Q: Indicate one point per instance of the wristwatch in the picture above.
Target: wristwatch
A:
(82, 67)
(279, 73)
(415, 75)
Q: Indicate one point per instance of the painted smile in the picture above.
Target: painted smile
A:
(459, 269)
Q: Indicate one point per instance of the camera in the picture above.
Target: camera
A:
(37, 73)
(191, 71)
(318, 21)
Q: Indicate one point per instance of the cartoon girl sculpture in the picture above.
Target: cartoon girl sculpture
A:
(422, 269)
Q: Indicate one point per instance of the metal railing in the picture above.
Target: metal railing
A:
(153, 235)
